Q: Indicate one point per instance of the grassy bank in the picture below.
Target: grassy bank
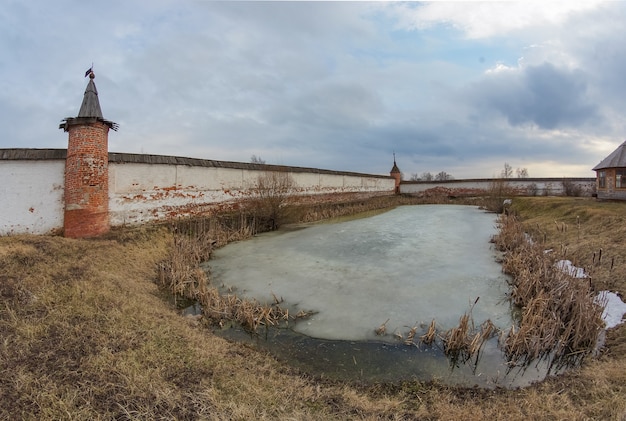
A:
(87, 334)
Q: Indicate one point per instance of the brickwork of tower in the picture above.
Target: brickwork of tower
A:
(86, 211)
(87, 181)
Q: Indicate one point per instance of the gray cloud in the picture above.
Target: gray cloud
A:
(543, 95)
(325, 84)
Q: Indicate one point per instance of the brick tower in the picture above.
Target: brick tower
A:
(396, 174)
(87, 168)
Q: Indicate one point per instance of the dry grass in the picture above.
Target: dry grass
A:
(561, 318)
(463, 342)
(86, 334)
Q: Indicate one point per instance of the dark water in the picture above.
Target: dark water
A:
(377, 361)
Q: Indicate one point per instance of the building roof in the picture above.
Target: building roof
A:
(90, 106)
(89, 109)
(617, 159)
(395, 169)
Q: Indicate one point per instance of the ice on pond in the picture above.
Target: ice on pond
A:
(409, 266)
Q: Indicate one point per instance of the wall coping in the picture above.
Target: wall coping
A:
(512, 179)
(30, 154)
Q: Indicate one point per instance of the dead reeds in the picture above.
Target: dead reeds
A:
(250, 314)
(560, 318)
(192, 244)
(464, 341)
(431, 333)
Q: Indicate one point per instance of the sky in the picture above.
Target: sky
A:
(460, 87)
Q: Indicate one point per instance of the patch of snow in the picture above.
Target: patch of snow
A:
(614, 308)
(573, 271)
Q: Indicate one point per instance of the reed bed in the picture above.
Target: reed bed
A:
(250, 314)
(355, 206)
(429, 337)
(560, 316)
(192, 242)
(457, 339)
(180, 274)
(465, 341)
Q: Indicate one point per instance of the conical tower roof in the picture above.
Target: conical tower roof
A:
(90, 110)
(90, 106)
(394, 169)
(616, 159)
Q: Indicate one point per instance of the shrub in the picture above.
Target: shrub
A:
(570, 188)
(499, 190)
(272, 193)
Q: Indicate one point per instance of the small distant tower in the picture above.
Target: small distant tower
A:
(87, 168)
(396, 174)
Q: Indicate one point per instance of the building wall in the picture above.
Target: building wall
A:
(610, 192)
(31, 196)
(527, 186)
(146, 188)
(142, 192)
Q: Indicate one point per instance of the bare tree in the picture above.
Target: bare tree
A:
(414, 177)
(426, 176)
(507, 172)
(256, 160)
(442, 176)
(522, 173)
(272, 190)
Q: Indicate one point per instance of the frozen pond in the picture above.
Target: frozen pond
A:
(408, 266)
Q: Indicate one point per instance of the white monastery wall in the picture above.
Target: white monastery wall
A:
(145, 188)
(143, 192)
(535, 186)
(31, 196)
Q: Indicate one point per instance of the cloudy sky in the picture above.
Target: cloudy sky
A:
(459, 87)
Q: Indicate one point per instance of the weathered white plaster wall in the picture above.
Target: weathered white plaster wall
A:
(31, 196)
(141, 192)
(145, 188)
(540, 186)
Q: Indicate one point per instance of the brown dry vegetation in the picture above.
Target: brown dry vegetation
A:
(560, 313)
(87, 334)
